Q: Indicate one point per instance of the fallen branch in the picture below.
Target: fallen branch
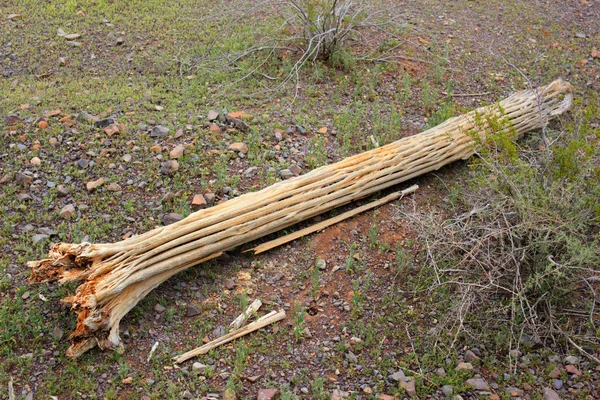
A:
(116, 276)
(243, 317)
(266, 320)
(332, 221)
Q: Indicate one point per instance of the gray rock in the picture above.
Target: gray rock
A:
(515, 392)
(209, 197)
(295, 169)
(103, 123)
(286, 173)
(48, 231)
(212, 115)
(470, 356)
(477, 383)
(57, 333)
(550, 394)
(40, 237)
(218, 332)
(239, 147)
(321, 264)
(167, 197)
(199, 367)
(23, 179)
(114, 187)
(67, 211)
(464, 366)
(301, 130)
(159, 308)
(267, 394)
(191, 311)
(159, 131)
(558, 384)
(83, 163)
(23, 197)
(572, 360)
(440, 372)
(410, 387)
(169, 167)
(448, 390)
(62, 191)
(229, 284)
(554, 358)
(170, 218)
(398, 376)
(251, 171)
(352, 357)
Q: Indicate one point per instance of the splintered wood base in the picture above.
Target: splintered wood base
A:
(116, 276)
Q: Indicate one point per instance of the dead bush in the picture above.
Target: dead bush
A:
(520, 253)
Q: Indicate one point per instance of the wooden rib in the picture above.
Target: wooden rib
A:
(243, 317)
(331, 221)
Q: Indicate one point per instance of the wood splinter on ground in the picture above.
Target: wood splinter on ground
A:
(116, 276)
(243, 317)
(265, 320)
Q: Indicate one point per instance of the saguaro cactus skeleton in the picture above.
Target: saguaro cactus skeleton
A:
(116, 276)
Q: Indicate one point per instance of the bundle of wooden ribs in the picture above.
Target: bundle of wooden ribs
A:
(116, 276)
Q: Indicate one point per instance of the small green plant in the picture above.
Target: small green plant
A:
(353, 264)
(318, 388)
(374, 232)
(299, 314)
(317, 152)
(315, 280)
(357, 298)
(402, 259)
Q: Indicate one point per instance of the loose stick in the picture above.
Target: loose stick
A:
(243, 317)
(331, 221)
(256, 325)
(152, 351)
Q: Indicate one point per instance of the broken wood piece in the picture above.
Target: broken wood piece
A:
(116, 276)
(266, 320)
(243, 317)
(331, 221)
(154, 347)
(11, 389)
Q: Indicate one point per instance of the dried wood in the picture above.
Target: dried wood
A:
(116, 276)
(331, 221)
(266, 320)
(243, 317)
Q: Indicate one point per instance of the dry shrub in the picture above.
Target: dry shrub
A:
(521, 253)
